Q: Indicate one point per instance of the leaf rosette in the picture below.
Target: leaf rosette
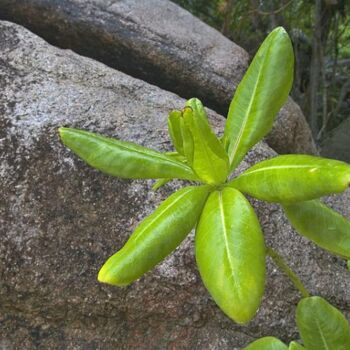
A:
(229, 244)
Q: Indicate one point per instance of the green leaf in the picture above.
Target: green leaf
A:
(174, 128)
(209, 161)
(322, 225)
(260, 95)
(202, 121)
(156, 237)
(123, 159)
(188, 143)
(267, 343)
(177, 156)
(321, 325)
(295, 346)
(230, 254)
(159, 183)
(293, 178)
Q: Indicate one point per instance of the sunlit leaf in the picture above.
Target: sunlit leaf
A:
(161, 182)
(260, 95)
(156, 237)
(230, 254)
(209, 161)
(123, 159)
(174, 128)
(266, 343)
(293, 178)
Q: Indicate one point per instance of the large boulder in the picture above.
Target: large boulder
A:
(158, 42)
(61, 219)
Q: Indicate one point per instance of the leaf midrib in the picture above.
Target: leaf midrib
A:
(322, 336)
(125, 146)
(227, 246)
(282, 167)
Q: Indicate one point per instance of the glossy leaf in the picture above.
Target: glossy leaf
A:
(161, 182)
(177, 156)
(156, 237)
(260, 95)
(293, 178)
(267, 343)
(188, 143)
(230, 254)
(295, 346)
(202, 122)
(174, 128)
(209, 161)
(322, 225)
(322, 326)
(123, 159)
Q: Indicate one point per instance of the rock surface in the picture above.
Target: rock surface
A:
(337, 144)
(158, 42)
(60, 220)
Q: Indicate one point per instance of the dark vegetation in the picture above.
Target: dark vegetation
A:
(320, 32)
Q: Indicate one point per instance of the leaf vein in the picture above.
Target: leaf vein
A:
(227, 246)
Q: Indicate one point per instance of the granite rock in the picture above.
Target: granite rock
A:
(60, 219)
(158, 42)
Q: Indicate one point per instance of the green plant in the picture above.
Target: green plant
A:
(229, 244)
(321, 327)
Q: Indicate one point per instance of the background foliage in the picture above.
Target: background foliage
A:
(320, 31)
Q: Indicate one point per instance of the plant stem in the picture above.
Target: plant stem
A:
(281, 264)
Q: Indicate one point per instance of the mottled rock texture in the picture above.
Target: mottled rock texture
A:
(158, 42)
(337, 144)
(60, 220)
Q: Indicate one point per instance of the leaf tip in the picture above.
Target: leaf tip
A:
(109, 274)
(280, 29)
(193, 102)
(61, 131)
(102, 276)
(105, 276)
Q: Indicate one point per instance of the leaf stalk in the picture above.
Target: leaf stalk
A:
(282, 265)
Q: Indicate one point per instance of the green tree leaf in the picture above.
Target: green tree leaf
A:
(209, 161)
(322, 225)
(175, 122)
(188, 143)
(267, 343)
(230, 254)
(295, 346)
(156, 237)
(260, 95)
(293, 178)
(159, 183)
(123, 159)
(321, 325)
